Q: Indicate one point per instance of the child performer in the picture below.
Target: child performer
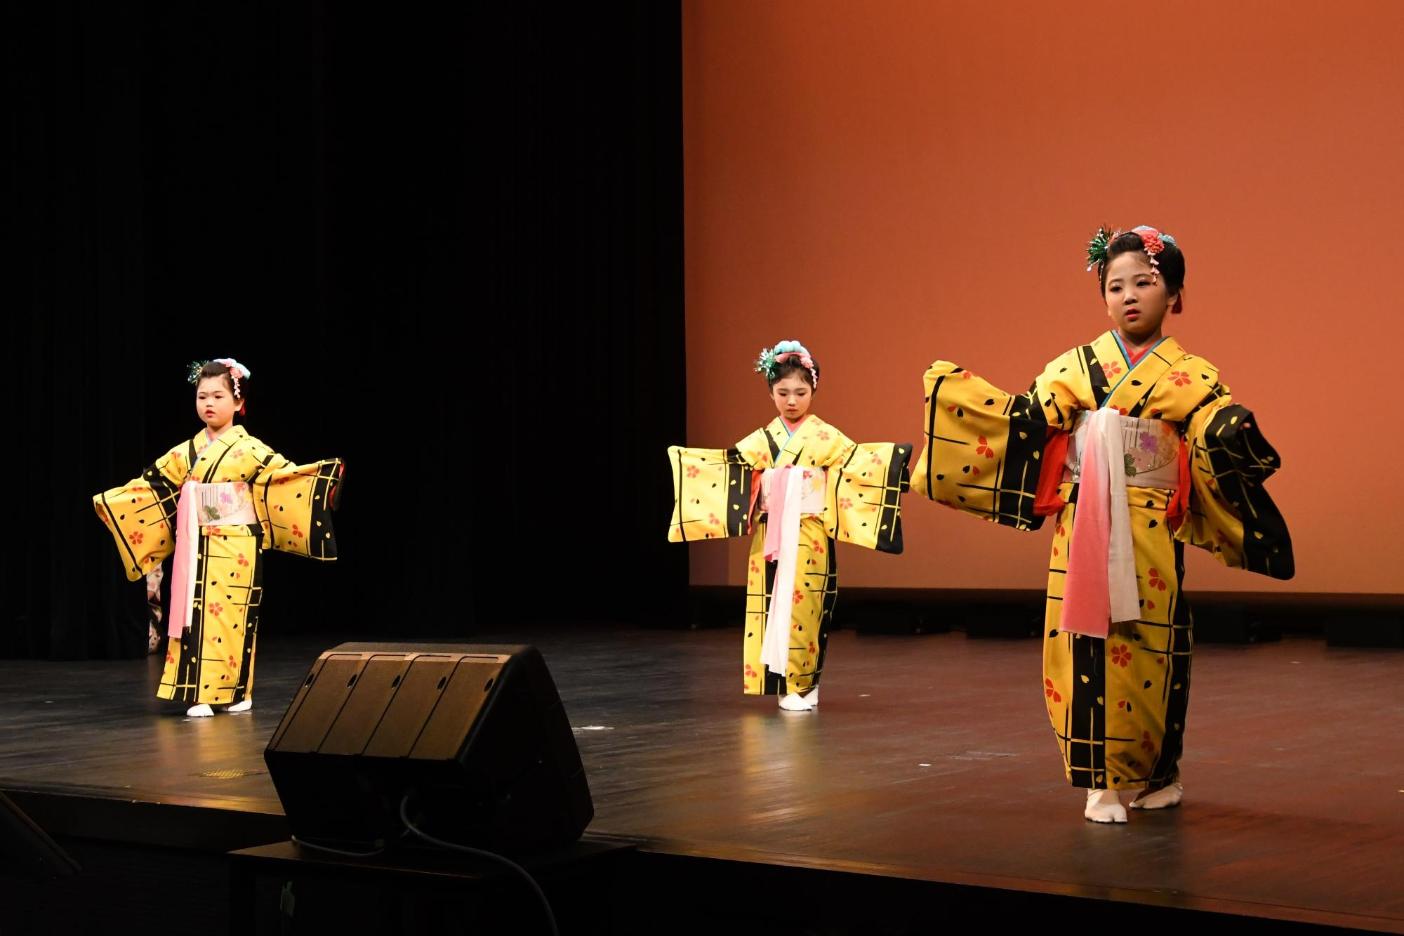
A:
(802, 486)
(215, 503)
(1136, 448)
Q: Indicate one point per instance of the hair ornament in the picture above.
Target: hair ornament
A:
(771, 358)
(237, 372)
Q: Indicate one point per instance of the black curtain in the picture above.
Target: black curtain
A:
(446, 239)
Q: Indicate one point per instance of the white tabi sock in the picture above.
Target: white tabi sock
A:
(1104, 806)
(1163, 798)
(794, 702)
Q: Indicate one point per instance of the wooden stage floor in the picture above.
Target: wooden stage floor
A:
(930, 759)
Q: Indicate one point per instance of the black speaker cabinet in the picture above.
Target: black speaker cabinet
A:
(474, 735)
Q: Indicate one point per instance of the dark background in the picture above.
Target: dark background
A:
(446, 240)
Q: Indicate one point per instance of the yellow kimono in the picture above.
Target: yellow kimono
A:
(716, 494)
(1117, 705)
(213, 661)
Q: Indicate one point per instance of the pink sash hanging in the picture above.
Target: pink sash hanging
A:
(1100, 585)
(187, 542)
(782, 548)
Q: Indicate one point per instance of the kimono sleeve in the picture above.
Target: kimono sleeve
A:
(294, 503)
(983, 447)
(864, 493)
(140, 515)
(711, 494)
(1230, 512)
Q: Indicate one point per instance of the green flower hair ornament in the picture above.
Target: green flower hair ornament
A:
(765, 364)
(1098, 245)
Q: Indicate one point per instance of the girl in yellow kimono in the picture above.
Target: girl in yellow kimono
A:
(1135, 447)
(802, 486)
(215, 503)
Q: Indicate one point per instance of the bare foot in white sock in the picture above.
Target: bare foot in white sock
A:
(1163, 798)
(199, 711)
(794, 702)
(243, 706)
(1104, 806)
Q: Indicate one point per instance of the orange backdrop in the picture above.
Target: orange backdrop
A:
(893, 182)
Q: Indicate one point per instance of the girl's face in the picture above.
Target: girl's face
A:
(792, 396)
(1136, 297)
(215, 403)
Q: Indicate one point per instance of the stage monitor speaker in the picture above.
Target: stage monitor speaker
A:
(26, 850)
(474, 735)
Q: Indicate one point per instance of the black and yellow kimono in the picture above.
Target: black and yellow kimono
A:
(1117, 705)
(213, 662)
(715, 496)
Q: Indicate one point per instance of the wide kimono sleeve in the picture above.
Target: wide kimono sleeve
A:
(141, 514)
(1230, 512)
(294, 503)
(984, 447)
(712, 488)
(863, 495)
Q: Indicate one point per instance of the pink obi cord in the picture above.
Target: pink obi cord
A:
(1100, 585)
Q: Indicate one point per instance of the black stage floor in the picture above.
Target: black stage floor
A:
(929, 760)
